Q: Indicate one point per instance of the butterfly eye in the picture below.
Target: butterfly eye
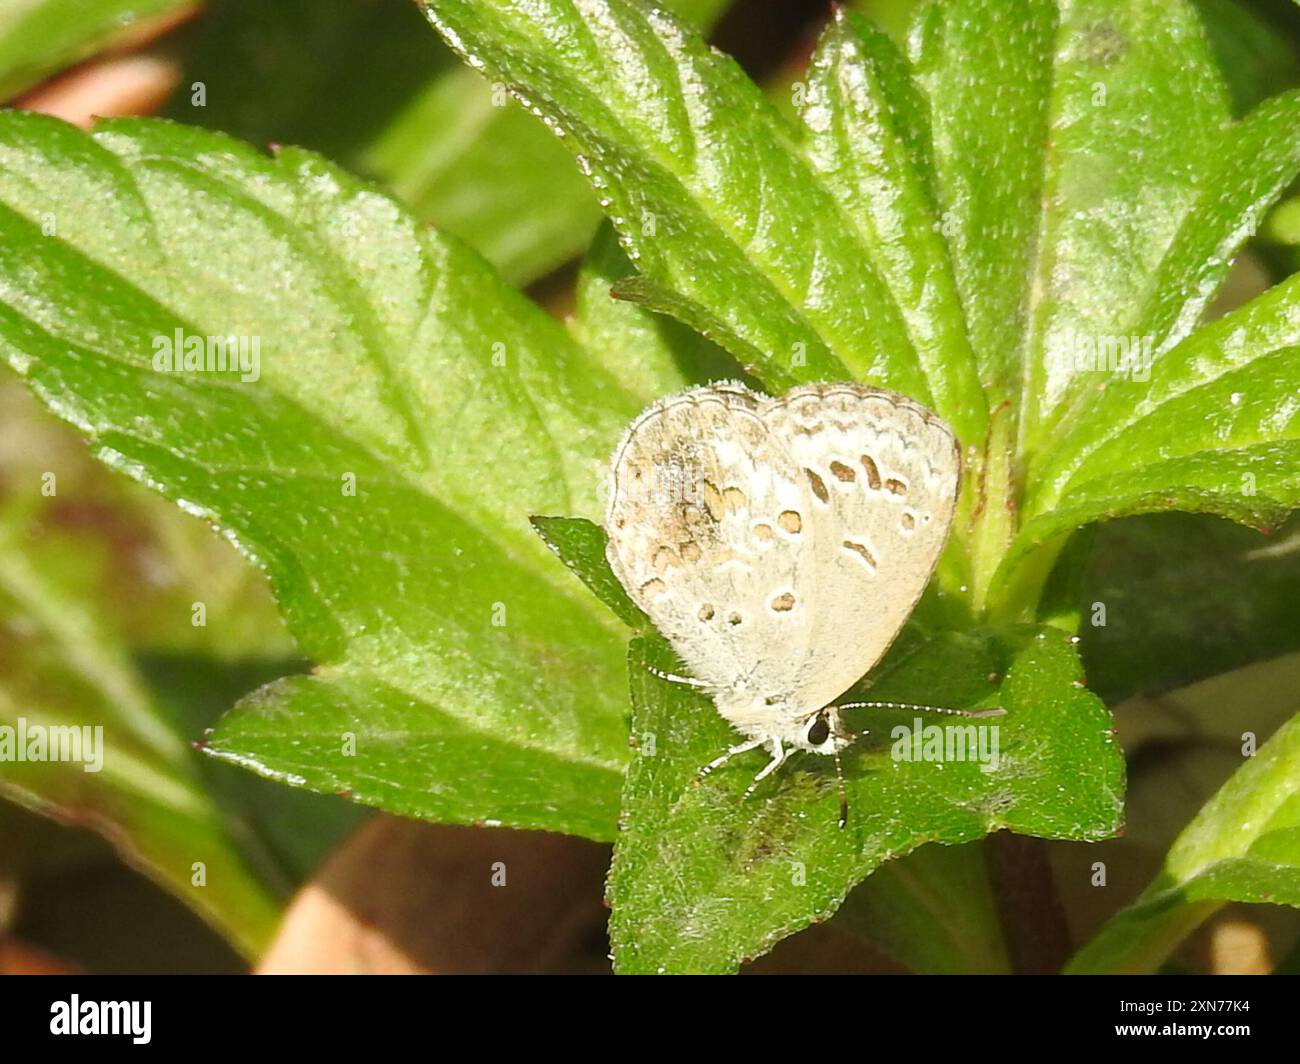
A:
(819, 732)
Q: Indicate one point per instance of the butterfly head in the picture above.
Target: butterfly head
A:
(823, 733)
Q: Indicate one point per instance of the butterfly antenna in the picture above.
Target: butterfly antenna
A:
(996, 711)
(844, 798)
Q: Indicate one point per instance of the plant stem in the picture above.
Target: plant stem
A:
(1037, 936)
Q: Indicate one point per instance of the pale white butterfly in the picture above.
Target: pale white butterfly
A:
(780, 544)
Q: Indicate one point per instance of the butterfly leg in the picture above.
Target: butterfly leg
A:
(778, 756)
(718, 762)
(672, 677)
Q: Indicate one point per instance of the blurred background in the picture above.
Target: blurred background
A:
(96, 583)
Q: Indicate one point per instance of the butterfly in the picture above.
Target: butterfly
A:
(779, 544)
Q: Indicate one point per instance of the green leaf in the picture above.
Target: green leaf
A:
(1256, 485)
(1072, 243)
(580, 544)
(703, 880)
(1122, 168)
(990, 116)
(1102, 183)
(137, 781)
(362, 468)
(868, 137)
(652, 355)
(1256, 58)
(701, 176)
(933, 911)
(893, 16)
(1209, 427)
(41, 37)
(1238, 370)
(424, 758)
(487, 172)
(455, 151)
(128, 557)
(1181, 747)
(95, 573)
(1167, 622)
(1070, 240)
(287, 828)
(1255, 161)
(1244, 845)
